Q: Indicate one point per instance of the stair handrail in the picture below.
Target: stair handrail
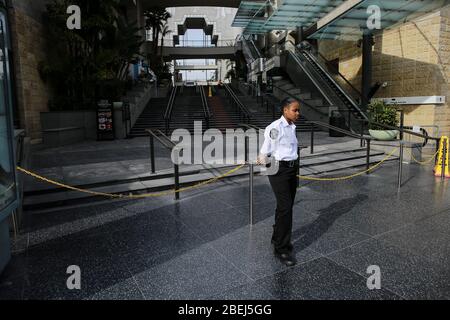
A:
(243, 109)
(206, 110)
(389, 127)
(169, 108)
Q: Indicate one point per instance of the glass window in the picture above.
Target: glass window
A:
(7, 169)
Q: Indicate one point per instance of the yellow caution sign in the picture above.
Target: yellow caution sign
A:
(442, 158)
(210, 92)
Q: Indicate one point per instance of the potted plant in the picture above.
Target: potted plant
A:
(382, 114)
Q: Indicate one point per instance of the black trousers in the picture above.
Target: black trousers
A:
(284, 186)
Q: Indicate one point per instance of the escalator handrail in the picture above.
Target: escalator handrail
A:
(342, 76)
(354, 104)
(311, 77)
(258, 53)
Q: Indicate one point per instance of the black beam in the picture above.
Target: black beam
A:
(367, 44)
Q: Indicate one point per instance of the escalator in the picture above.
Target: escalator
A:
(249, 49)
(307, 70)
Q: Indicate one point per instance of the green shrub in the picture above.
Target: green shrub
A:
(380, 113)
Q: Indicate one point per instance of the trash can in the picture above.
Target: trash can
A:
(337, 120)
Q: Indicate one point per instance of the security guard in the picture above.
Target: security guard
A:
(280, 142)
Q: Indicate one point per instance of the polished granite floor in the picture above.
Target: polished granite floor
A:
(202, 247)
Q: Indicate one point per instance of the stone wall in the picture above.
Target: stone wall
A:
(412, 59)
(28, 40)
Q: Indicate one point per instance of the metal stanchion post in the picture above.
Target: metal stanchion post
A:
(177, 175)
(298, 169)
(312, 138)
(400, 165)
(438, 143)
(444, 152)
(368, 156)
(251, 177)
(152, 153)
(246, 149)
(362, 134)
(349, 120)
(402, 123)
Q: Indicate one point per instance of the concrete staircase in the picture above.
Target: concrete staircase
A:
(152, 117)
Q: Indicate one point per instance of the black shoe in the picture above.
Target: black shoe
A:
(287, 258)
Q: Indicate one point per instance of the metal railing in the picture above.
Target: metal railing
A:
(200, 43)
(244, 114)
(169, 144)
(168, 113)
(205, 104)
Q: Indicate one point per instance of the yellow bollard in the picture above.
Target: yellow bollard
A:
(442, 157)
(210, 92)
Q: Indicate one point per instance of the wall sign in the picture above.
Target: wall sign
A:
(105, 127)
(415, 100)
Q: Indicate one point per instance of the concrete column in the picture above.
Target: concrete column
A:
(367, 44)
(300, 35)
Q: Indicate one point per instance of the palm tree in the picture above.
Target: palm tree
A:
(165, 31)
(155, 18)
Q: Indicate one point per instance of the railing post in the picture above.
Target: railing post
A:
(312, 138)
(273, 112)
(267, 106)
(400, 165)
(298, 168)
(246, 149)
(250, 196)
(402, 123)
(177, 175)
(368, 156)
(438, 143)
(152, 153)
(361, 144)
(349, 120)
(444, 151)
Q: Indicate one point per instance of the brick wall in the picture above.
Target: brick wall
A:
(412, 58)
(28, 50)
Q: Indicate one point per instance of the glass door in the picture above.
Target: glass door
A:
(8, 194)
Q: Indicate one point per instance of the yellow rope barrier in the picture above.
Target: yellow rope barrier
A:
(423, 162)
(350, 176)
(129, 196)
(209, 181)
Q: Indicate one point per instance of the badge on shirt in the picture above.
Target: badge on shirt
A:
(273, 134)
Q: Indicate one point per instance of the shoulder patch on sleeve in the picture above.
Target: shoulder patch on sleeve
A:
(274, 133)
